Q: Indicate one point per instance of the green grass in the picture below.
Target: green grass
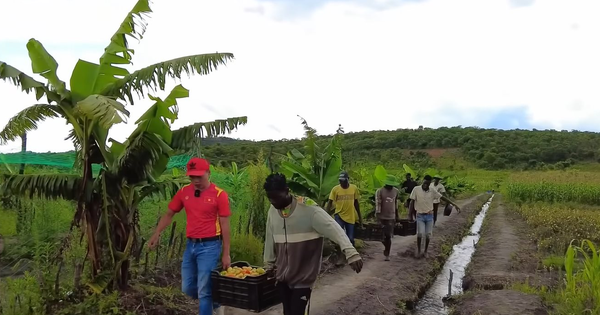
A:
(8, 224)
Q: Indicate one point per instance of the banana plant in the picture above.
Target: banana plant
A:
(316, 172)
(131, 171)
(107, 203)
(454, 185)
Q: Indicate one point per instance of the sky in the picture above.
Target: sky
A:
(365, 64)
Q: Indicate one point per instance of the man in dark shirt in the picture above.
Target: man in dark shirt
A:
(386, 210)
(407, 187)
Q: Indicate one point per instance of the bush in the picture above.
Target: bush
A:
(247, 247)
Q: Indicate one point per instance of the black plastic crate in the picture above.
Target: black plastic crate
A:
(370, 232)
(254, 294)
(405, 228)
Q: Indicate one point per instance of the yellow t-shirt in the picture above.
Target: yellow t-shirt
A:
(344, 202)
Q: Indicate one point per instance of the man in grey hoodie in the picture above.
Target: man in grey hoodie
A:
(294, 243)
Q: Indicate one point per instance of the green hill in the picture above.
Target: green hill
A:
(483, 148)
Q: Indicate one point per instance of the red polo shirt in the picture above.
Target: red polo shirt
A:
(202, 212)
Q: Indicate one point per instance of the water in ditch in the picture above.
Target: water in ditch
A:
(431, 303)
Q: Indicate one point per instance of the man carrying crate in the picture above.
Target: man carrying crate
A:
(386, 210)
(294, 244)
(207, 230)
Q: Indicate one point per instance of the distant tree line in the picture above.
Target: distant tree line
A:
(486, 148)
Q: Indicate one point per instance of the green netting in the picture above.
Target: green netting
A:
(67, 159)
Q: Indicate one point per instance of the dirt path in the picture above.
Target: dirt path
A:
(504, 256)
(383, 287)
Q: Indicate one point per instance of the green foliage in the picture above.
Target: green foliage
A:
(247, 247)
(21, 296)
(107, 202)
(554, 192)
(482, 148)
(314, 173)
(555, 225)
(258, 202)
(581, 292)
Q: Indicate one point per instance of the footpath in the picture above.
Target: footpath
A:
(386, 287)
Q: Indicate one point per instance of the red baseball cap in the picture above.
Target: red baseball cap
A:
(197, 167)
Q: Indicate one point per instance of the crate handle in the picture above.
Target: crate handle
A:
(242, 262)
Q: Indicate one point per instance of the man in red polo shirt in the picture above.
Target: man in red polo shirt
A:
(207, 230)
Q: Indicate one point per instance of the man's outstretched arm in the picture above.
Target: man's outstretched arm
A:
(325, 225)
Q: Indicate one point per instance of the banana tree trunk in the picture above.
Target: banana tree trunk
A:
(124, 241)
(87, 211)
(124, 227)
(23, 151)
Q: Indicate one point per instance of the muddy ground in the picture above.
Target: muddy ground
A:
(505, 256)
(387, 287)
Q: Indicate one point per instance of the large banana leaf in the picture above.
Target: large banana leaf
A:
(185, 138)
(146, 151)
(331, 175)
(155, 76)
(102, 111)
(158, 117)
(90, 78)
(44, 64)
(20, 79)
(27, 120)
(142, 155)
(379, 176)
(165, 188)
(46, 186)
(409, 170)
(310, 179)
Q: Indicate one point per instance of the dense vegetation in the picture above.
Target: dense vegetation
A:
(481, 148)
(486, 148)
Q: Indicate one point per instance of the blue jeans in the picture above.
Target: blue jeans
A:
(424, 224)
(199, 260)
(348, 227)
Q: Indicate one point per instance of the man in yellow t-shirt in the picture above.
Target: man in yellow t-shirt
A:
(347, 210)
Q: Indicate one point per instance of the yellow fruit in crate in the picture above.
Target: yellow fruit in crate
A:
(242, 272)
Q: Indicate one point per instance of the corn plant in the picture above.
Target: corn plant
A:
(581, 292)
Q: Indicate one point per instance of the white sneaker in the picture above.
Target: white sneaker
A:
(219, 311)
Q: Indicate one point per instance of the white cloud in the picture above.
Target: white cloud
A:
(350, 63)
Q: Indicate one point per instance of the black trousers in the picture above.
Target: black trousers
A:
(294, 300)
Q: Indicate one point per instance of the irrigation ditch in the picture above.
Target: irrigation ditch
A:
(449, 281)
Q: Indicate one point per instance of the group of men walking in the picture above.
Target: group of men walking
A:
(296, 228)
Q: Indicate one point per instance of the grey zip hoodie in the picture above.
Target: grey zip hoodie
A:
(294, 244)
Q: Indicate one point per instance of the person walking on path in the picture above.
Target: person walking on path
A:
(407, 186)
(439, 187)
(386, 210)
(347, 209)
(422, 198)
(207, 230)
(294, 244)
